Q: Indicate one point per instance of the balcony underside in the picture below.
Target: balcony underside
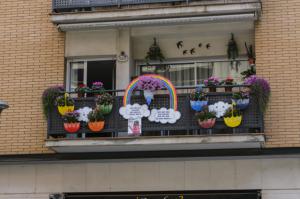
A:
(194, 12)
(157, 143)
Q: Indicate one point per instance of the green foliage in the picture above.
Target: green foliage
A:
(71, 117)
(205, 114)
(232, 112)
(198, 95)
(249, 72)
(154, 53)
(48, 98)
(95, 116)
(261, 96)
(104, 99)
(64, 101)
(240, 95)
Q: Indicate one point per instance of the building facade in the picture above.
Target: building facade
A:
(68, 42)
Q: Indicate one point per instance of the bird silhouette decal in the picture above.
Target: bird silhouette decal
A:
(208, 46)
(179, 44)
(192, 51)
(200, 45)
(184, 52)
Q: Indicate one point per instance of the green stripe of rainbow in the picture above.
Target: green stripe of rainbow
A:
(167, 84)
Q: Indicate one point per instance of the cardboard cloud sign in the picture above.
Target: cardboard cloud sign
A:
(164, 115)
(219, 108)
(134, 111)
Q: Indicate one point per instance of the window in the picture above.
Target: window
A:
(193, 73)
(87, 72)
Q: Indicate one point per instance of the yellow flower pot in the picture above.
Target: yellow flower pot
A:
(65, 109)
(233, 121)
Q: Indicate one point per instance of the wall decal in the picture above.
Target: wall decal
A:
(200, 45)
(179, 44)
(208, 46)
(192, 51)
(184, 52)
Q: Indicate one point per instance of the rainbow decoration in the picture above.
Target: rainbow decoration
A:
(166, 83)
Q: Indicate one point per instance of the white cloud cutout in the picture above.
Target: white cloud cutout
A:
(83, 114)
(164, 115)
(134, 111)
(219, 108)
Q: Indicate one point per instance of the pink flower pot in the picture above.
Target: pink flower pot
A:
(207, 124)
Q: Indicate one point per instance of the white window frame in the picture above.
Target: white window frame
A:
(85, 61)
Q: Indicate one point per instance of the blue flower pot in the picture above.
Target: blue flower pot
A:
(198, 105)
(242, 104)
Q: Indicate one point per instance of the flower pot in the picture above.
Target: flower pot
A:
(207, 124)
(148, 96)
(241, 104)
(96, 126)
(233, 121)
(65, 109)
(105, 109)
(72, 127)
(198, 105)
(228, 89)
(212, 89)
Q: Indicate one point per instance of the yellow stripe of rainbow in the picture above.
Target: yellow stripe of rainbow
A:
(166, 82)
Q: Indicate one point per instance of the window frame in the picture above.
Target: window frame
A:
(85, 62)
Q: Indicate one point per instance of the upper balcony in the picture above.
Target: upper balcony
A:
(184, 134)
(97, 14)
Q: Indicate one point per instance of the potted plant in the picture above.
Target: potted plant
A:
(154, 53)
(96, 120)
(198, 99)
(228, 82)
(97, 88)
(206, 119)
(105, 103)
(48, 98)
(233, 117)
(250, 54)
(149, 85)
(212, 83)
(260, 90)
(71, 123)
(249, 72)
(65, 104)
(241, 99)
(81, 90)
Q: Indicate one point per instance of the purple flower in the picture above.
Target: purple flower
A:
(149, 83)
(212, 81)
(254, 80)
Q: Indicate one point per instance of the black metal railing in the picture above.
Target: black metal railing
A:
(116, 125)
(60, 5)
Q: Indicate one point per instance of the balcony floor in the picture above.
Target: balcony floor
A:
(166, 143)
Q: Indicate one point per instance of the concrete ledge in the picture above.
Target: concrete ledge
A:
(157, 143)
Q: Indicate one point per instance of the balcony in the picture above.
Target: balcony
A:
(185, 134)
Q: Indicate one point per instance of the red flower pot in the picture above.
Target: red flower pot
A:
(251, 61)
(72, 127)
(96, 126)
(207, 124)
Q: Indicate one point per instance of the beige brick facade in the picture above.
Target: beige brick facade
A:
(277, 42)
(32, 59)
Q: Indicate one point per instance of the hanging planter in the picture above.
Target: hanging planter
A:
(241, 99)
(233, 117)
(96, 120)
(65, 104)
(71, 123)
(154, 53)
(104, 103)
(72, 127)
(206, 119)
(148, 85)
(198, 105)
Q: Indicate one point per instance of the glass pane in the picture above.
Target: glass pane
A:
(204, 70)
(76, 74)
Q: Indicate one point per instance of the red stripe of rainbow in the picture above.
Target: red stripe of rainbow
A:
(167, 84)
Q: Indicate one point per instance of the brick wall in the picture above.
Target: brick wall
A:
(278, 58)
(31, 59)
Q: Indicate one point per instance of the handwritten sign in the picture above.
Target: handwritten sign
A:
(164, 115)
(134, 111)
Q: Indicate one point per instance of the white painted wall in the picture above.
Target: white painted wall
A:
(279, 178)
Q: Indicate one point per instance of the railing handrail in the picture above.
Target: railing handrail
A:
(177, 88)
